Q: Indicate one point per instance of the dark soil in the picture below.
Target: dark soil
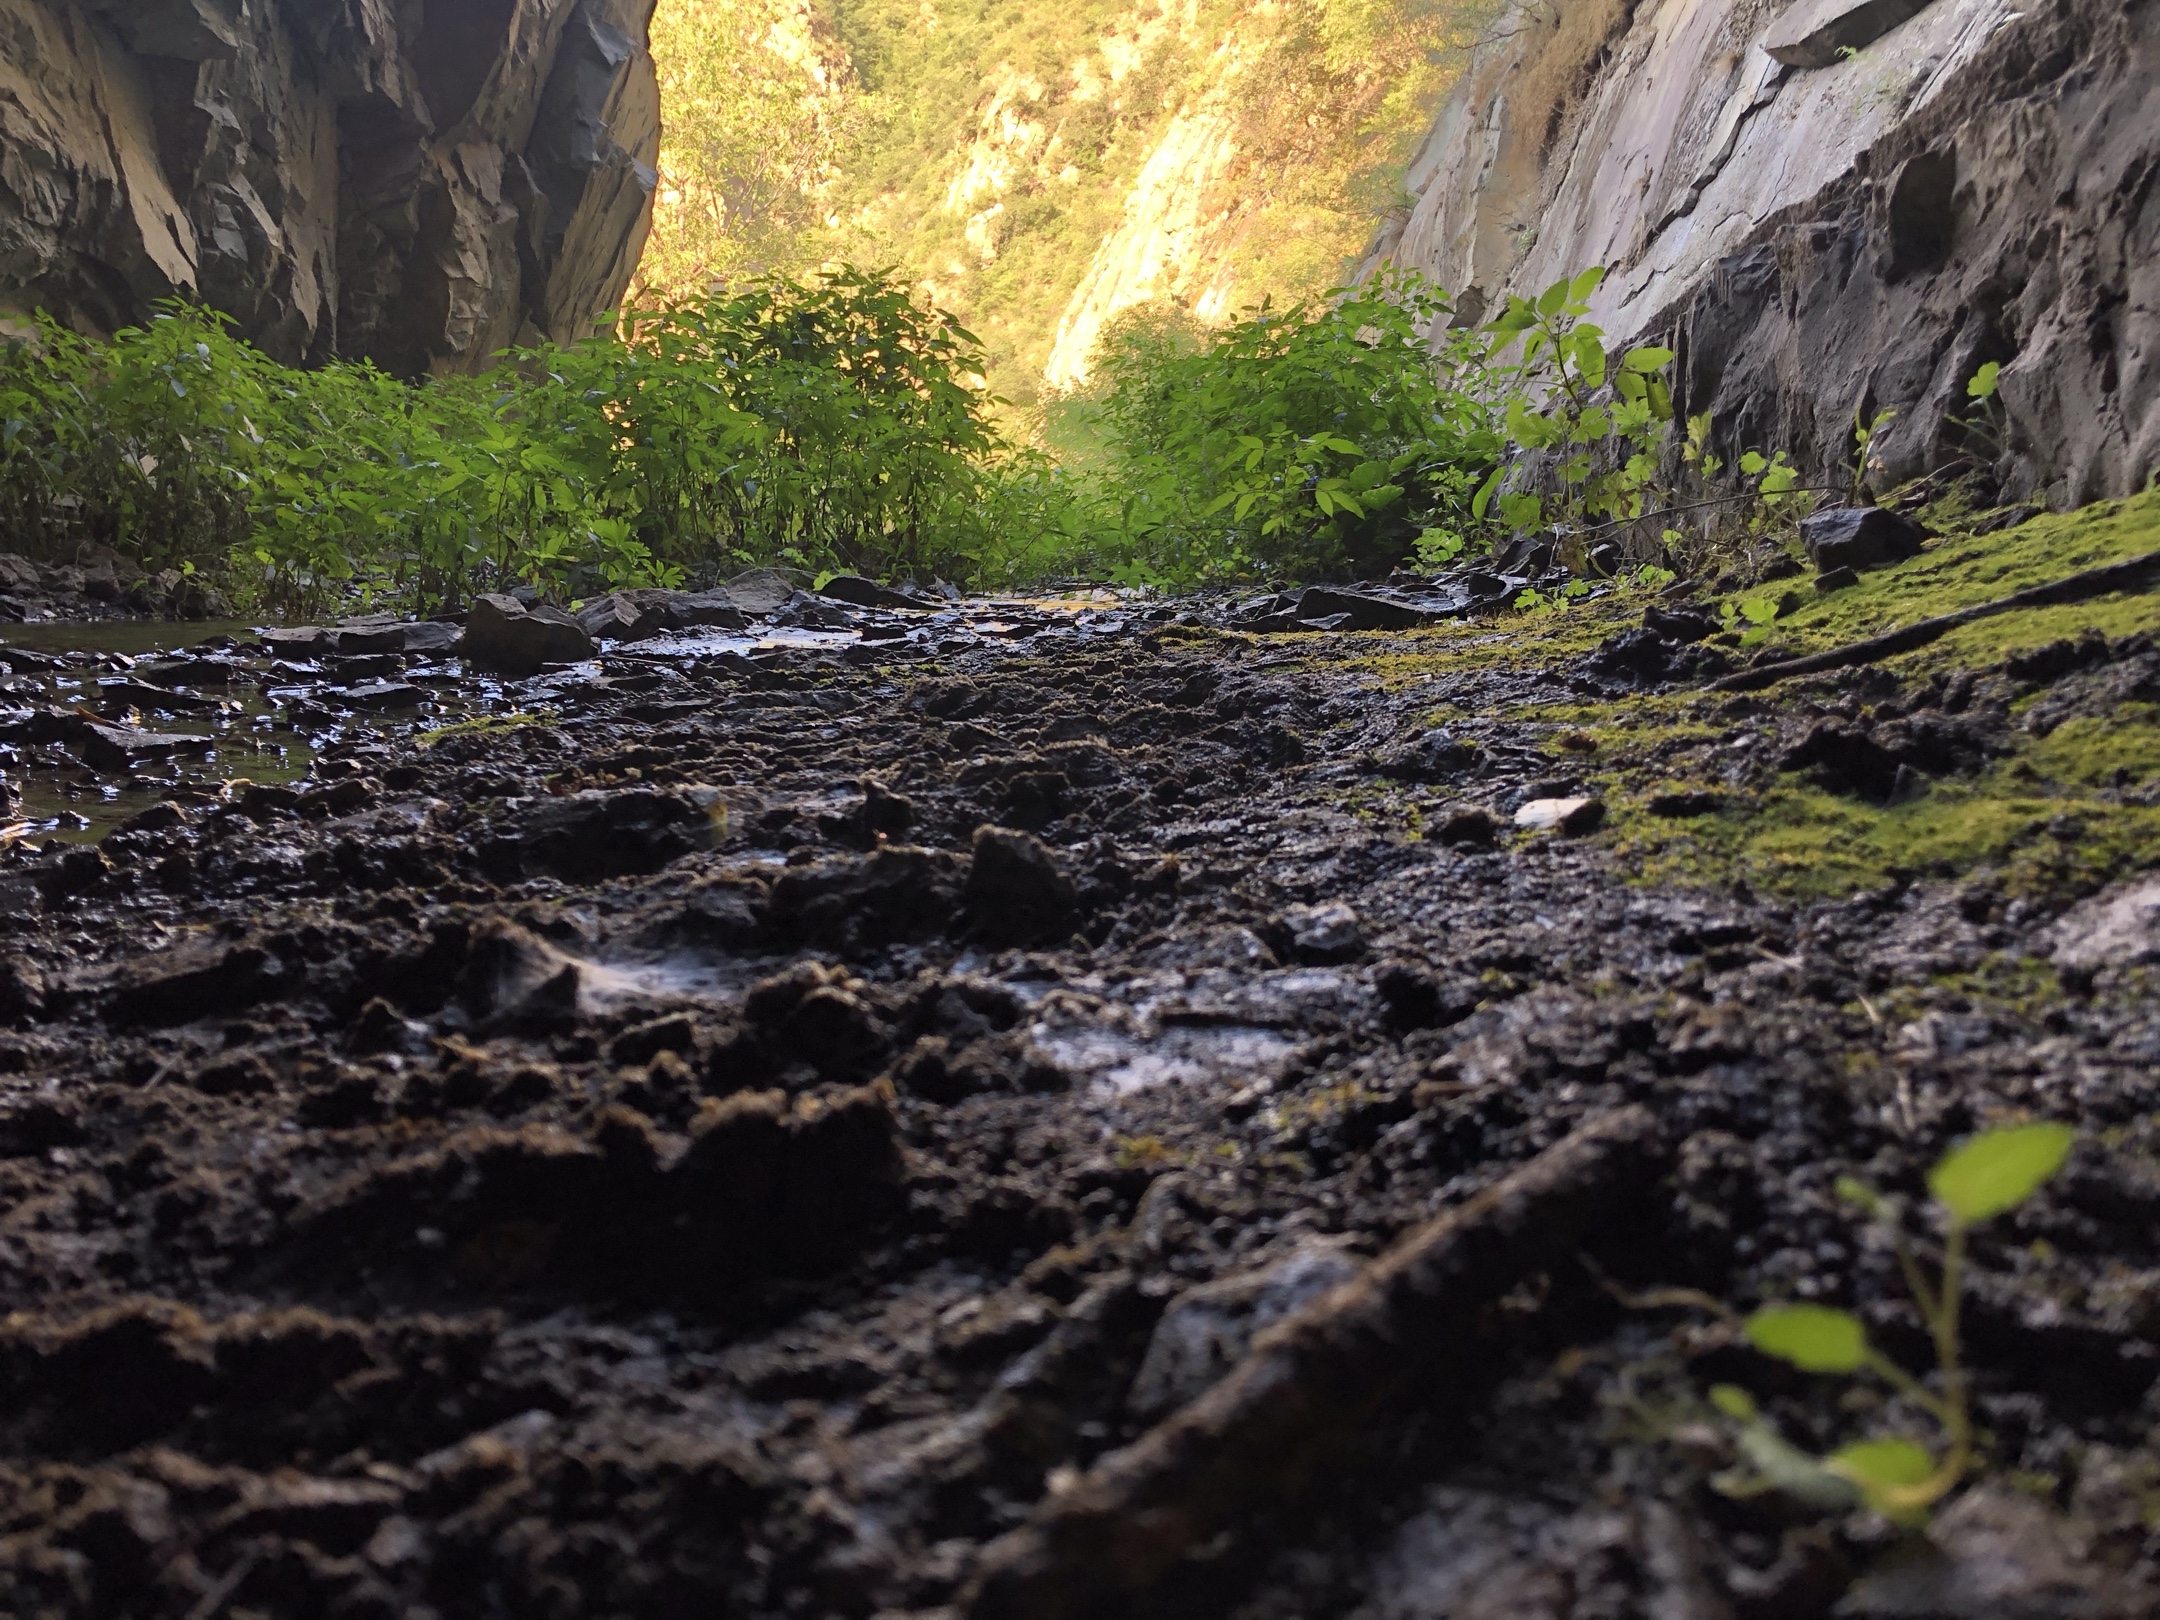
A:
(747, 1142)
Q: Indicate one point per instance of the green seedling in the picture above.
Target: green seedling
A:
(1866, 431)
(1976, 1181)
(1897, 1476)
(1756, 614)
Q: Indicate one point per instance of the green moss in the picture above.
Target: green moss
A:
(2054, 814)
(1963, 570)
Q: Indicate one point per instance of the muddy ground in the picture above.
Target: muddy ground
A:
(786, 1135)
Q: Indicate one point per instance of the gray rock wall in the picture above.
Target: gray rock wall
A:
(1832, 207)
(419, 182)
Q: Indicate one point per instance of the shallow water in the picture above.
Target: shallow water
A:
(269, 733)
(133, 637)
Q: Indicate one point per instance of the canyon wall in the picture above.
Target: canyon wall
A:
(1832, 208)
(416, 182)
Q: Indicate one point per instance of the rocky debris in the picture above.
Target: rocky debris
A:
(1434, 756)
(502, 633)
(490, 179)
(596, 834)
(1573, 816)
(715, 1164)
(636, 615)
(1859, 538)
(1647, 657)
(859, 592)
(1842, 578)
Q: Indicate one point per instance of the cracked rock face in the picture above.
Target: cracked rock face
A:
(416, 184)
(1828, 207)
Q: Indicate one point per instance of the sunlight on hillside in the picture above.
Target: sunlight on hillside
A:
(1039, 166)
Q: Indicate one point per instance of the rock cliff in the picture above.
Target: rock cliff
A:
(419, 182)
(1837, 207)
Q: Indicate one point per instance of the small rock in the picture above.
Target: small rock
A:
(1845, 759)
(431, 636)
(856, 591)
(157, 818)
(1836, 579)
(502, 634)
(1325, 933)
(1860, 538)
(636, 615)
(111, 748)
(760, 591)
(2005, 517)
(382, 696)
(359, 638)
(296, 641)
(1325, 607)
(1684, 625)
(2118, 928)
(1206, 1330)
(1570, 816)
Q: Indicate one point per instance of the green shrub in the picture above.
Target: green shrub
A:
(1311, 441)
(833, 423)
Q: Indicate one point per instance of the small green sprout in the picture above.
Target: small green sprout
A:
(1898, 1477)
(1758, 613)
(1982, 1178)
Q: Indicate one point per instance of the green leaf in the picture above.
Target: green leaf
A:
(1553, 299)
(1486, 491)
(1753, 462)
(1855, 1191)
(1999, 1170)
(1646, 360)
(1586, 283)
(1734, 1402)
(1982, 385)
(1814, 1338)
(1881, 1462)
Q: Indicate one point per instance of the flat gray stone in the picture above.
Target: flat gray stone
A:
(2119, 927)
(760, 591)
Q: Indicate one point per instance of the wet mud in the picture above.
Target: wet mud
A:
(1042, 1112)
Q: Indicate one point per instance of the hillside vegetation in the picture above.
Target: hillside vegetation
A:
(1035, 168)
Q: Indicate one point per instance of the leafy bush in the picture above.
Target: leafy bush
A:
(1296, 443)
(834, 423)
